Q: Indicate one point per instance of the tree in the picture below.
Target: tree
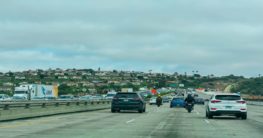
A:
(65, 89)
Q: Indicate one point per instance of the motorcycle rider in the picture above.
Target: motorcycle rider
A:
(159, 100)
(190, 99)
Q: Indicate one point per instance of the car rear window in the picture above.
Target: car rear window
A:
(228, 97)
(128, 95)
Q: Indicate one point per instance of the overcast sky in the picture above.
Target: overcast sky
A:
(218, 37)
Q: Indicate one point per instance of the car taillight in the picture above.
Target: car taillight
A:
(243, 109)
(213, 109)
(215, 101)
(242, 102)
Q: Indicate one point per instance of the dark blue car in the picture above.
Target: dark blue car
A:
(177, 102)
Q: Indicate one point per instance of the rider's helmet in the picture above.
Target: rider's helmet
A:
(189, 94)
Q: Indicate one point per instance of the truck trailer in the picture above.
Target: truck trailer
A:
(31, 91)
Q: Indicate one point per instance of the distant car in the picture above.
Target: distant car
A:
(85, 98)
(76, 97)
(65, 97)
(152, 100)
(50, 98)
(19, 98)
(96, 98)
(110, 95)
(177, 102)
(38, 98)
(226, 104)
(128, 101)
(4, 97)
(199, 101)
(166, 99)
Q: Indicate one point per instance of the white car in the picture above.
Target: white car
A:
(4, 97)
(226, 104)
(152, 100)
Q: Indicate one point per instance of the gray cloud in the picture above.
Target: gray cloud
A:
(219, 37)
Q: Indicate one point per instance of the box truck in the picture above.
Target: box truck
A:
(31, 91)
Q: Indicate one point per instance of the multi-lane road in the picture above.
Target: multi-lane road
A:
(162, 122)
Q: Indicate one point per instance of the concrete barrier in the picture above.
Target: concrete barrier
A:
(20, 110)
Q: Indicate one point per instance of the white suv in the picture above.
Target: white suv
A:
(226, 104)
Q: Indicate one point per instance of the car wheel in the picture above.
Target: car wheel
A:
(144, 110)
(209, 115)
(113, 111)
(244, 116)
(140, 111)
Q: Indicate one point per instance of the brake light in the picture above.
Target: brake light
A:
(213, 109)
(215, 101)
(243, 109)
(242, 102)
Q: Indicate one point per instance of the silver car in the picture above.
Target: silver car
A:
(4, 97)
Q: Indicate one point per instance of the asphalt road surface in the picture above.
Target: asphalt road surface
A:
(162, 122)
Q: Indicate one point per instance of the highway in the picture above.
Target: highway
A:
(162, 122)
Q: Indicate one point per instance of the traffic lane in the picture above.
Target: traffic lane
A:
(155, 123)
(255, 115)
(252, 127)
(124, 124)
(48, 125)
(90, 124)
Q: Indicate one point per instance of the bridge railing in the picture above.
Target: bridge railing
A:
(19, 110)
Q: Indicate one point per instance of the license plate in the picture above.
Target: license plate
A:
(126, 100)
(228, 107)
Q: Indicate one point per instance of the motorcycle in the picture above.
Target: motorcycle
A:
(189, 107)
(159, 102)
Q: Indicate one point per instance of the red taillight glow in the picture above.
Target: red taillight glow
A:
(213, 108)
(242, 102)
(215, 101)
(243, 109)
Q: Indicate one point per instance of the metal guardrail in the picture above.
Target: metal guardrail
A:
(255, 103)
(19, 110)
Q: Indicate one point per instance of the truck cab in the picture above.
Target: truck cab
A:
(22, 93)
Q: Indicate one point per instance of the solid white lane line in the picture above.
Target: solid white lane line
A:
(130, 121)
(207, 121)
